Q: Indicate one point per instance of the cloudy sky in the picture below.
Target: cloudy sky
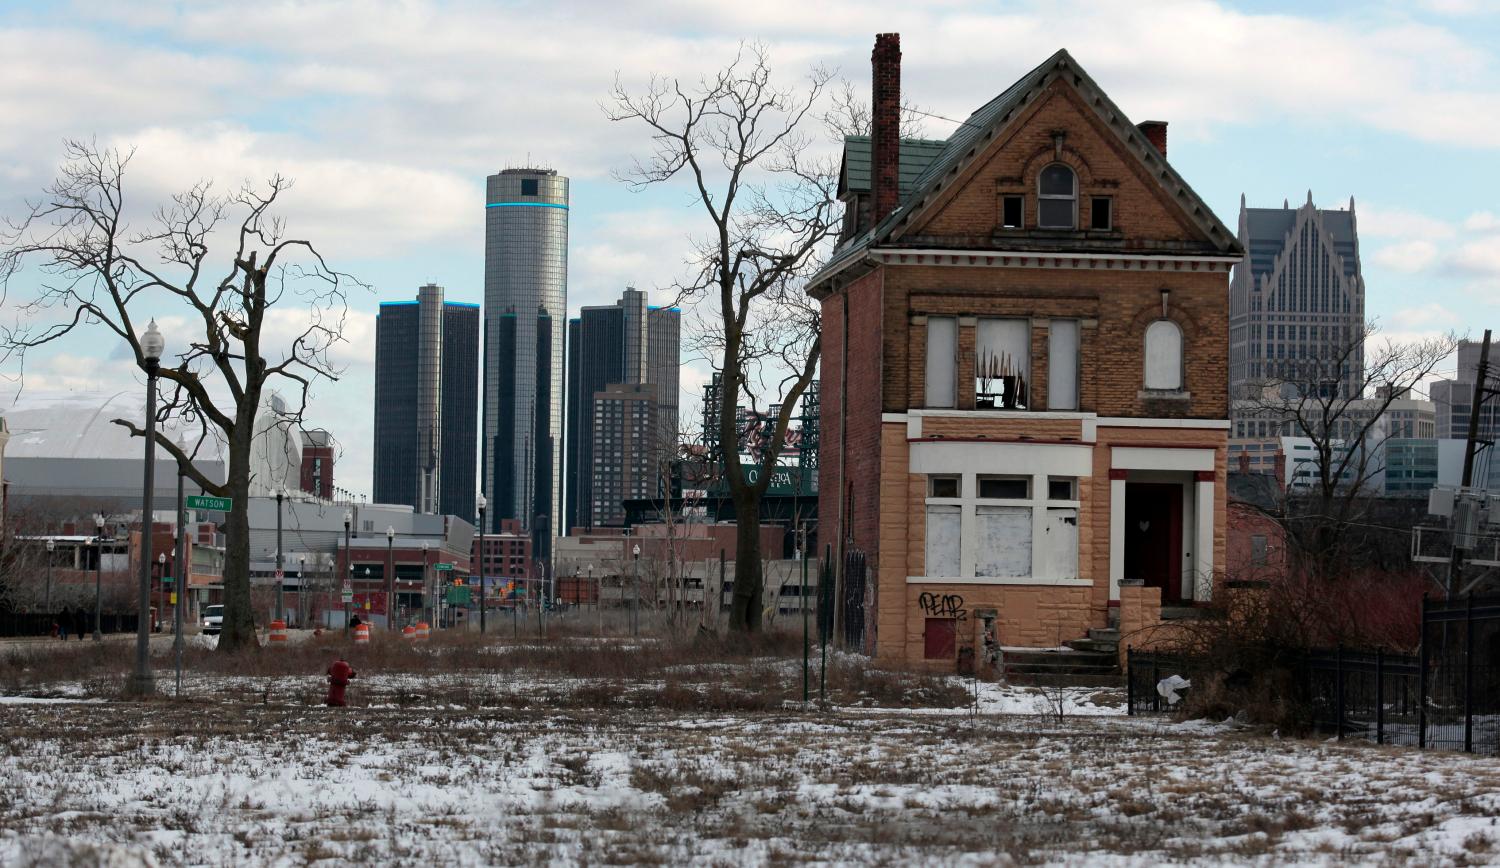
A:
(388, 116)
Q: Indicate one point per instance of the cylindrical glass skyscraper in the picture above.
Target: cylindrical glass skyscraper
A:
(525, 313)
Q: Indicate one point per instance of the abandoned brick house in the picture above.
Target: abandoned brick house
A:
(1024, 372)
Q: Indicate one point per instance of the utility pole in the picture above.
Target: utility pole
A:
(280, 576)
(802, 601)
(1481, 391)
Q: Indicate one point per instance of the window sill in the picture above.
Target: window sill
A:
(999, 580)
(1164, 395)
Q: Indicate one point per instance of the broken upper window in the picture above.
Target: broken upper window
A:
(1011, 211)
(1057, 198)
(1002, 364)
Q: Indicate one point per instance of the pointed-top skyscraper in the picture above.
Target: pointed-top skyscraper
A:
(525, 312)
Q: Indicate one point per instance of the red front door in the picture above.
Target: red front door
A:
(1153, 536)
(939, 640)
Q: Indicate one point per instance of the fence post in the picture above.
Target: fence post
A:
(1155, 680)
(1339, 680)
(1422, 680)
(1129, 684)
(1469, 675)
(1380, 695)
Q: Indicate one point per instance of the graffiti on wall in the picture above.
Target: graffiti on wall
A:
(942, 605)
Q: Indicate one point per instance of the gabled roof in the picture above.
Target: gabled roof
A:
(985, 124)
(916, 156)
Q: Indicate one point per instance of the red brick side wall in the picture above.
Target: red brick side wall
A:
(859, 426)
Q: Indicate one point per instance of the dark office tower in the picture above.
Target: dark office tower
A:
(525, 302)
(426, 396)
(1297, 300)
(625, 343)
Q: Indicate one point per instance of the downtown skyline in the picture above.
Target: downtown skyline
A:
(390, 155)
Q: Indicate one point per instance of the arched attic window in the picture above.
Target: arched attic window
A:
(1164, 356)
(1057, 198)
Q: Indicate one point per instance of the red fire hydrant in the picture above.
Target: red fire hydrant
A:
(339, 675)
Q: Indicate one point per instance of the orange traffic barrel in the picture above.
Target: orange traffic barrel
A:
(278, 632)
(424, 631)
(409, 633)
(362, 634)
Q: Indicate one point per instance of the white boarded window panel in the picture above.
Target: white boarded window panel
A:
(1163, 355)
(1062, 365)
(942, 360)
(1004, 549)
(1058, 557)
(943, 540)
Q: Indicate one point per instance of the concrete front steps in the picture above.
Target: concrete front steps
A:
(1089, 662)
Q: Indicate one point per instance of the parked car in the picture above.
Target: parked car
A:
(213, 619)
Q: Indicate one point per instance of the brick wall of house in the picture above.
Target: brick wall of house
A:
(970, 206)
(1116, 306)
(859, 426)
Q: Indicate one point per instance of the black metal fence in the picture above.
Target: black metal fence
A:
(853, 604)
(1447, 696)
(18, 624)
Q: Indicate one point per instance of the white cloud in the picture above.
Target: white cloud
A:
(1407, 257)
(1482, 221)
(1381, 222)
(1480, 257)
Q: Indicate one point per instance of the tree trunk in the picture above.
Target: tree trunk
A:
(745, 606)
(238, 632)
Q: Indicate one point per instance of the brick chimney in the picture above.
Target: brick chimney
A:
(1280, 469)
(885, 123)
(1244, 462)
(1155, 133)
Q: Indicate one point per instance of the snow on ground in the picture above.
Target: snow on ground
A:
(213, 781)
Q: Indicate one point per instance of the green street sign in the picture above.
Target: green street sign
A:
(458, 596)
(217, 504)
(442, 567)
(167, 580)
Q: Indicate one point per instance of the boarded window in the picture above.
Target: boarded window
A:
(943, 540)
(1057, 550)
(942, 360)
(1258, 550)
(940, 639)
(1062, 365)
(1002, 363)
(1164, 355)
(1004, 549)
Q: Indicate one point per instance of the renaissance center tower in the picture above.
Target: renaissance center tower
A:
(525, 314)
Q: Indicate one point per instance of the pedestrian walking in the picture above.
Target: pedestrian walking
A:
(64, 624)
(339, 676)
(80, 622)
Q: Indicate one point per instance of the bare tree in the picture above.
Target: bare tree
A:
(85, 267)
(770, 207)
(1341, 403)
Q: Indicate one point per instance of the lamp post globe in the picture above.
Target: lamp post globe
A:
(348, 568)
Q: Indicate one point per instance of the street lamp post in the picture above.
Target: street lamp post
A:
(349, 571)
(280, 579)
(98, 573)
(179, 554)
(635, 614)
(426, 586)
(161, 581)
(302, 592)
(390, 578)
(141, 682)
(481, 502)
(51, 547)
(598, 598)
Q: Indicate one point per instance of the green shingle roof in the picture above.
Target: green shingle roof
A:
(916, 155)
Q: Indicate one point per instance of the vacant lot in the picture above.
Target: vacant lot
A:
(508, 764)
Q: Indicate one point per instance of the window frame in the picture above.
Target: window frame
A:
(1019, 200)
(933, 365)
(1048, 565)
(1179, 369)
(1071, 198)
(1109, 216)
